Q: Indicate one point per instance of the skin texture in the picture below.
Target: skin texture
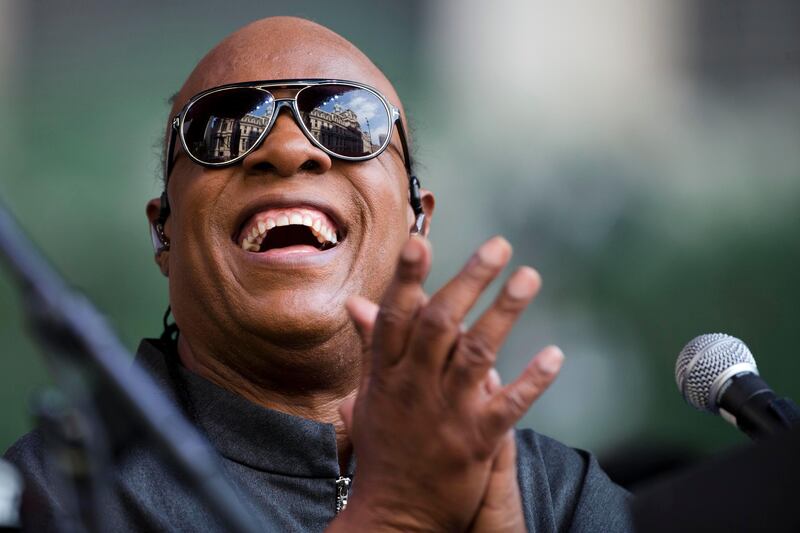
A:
(352, 341)
(431, 423)
(296, 349)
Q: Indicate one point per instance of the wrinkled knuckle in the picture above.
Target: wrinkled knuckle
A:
(391, 317)
(478, 273)
(515, 403)
(475, 351)
(436, 319)
(509, 305)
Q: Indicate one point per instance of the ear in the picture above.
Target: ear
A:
(428, 203)
(162, 255)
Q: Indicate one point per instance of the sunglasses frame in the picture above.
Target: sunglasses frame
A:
(176, 130)
(392, 113)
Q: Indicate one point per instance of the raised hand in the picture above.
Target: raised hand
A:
(432, 435)
(500, 510)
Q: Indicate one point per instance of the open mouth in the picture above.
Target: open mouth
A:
(292, 229)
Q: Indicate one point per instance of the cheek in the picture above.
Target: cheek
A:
(197, 195)
(386, 231)
(197, 242)
(383, 189)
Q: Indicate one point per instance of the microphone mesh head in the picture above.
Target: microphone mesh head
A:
(703, 362)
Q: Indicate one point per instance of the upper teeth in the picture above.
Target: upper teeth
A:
(316, 222)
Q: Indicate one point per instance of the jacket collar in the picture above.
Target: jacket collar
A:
(246, 433)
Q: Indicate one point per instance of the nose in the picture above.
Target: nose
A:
(286, 151)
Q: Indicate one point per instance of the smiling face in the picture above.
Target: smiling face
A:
(264, 253)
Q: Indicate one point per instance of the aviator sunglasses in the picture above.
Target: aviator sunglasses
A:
(347, 120)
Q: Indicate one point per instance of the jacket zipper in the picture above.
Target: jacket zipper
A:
(342, 492)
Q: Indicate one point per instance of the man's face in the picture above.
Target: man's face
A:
(230, 299)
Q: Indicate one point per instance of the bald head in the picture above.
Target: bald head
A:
(283, 48)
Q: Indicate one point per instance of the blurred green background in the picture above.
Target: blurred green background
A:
(642, 155)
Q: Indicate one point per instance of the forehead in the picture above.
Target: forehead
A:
(268, 51)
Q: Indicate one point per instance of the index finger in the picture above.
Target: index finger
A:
(400, 303)
(440, 321)
(511, 402)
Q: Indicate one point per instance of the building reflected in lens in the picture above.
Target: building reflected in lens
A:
(226, 138)
(340, 131)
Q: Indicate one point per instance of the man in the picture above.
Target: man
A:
(289, 212)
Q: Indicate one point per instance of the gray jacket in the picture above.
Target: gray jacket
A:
(288, 467)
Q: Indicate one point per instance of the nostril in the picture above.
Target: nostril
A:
(263, 166)
(310, 165)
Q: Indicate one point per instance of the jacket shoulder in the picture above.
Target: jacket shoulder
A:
(27, 454)
(39, 505)
(565, 489)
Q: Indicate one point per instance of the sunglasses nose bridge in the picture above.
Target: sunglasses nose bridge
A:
(286, 147)
(280, 105)
(283, 102)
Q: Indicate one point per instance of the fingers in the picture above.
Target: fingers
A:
(493, 382)
(439, 322)
(363, 313)
(346, 413)
(507, 456)
(477, 348)
(459, 295)
(514, 400)
(401, 302)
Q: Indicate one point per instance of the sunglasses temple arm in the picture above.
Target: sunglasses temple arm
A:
(168, 164)
(404, 142)
(413, 181)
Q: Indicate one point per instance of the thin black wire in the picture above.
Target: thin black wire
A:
(171, 331)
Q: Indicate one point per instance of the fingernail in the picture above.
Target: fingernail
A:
(412, 251)
(495, 251)
(523, 283)
(550, 360)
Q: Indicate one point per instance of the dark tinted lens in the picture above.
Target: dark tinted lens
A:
(222, 125)
(346, 120)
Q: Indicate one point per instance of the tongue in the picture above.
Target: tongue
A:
(293, 249)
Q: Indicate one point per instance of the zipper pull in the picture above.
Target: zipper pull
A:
(342, 492)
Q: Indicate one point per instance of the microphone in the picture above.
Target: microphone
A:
(717, 373)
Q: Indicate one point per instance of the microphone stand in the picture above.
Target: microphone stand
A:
(106, 399)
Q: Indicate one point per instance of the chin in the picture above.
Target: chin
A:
(296, 318)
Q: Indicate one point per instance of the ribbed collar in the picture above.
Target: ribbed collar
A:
(260, 438)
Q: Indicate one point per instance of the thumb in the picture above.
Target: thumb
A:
(346, 412)
(363, 314)
(506, 458)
